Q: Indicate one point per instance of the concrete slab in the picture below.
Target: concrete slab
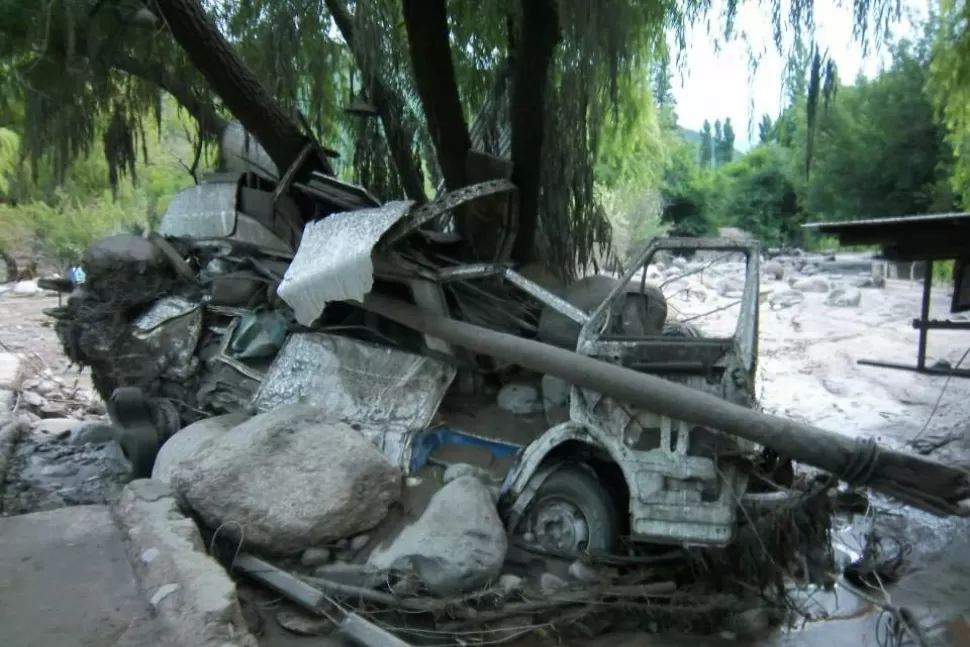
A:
(65, 580)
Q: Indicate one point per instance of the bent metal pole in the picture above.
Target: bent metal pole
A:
(912, 479)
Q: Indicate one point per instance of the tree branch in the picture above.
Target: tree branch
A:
(230, 78)
(389, 106)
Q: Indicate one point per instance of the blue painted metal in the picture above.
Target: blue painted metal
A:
(426, 442)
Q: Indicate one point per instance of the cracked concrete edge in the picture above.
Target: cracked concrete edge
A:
(12, 429)
(191, 593)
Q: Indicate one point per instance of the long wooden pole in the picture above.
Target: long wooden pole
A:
(912, 479)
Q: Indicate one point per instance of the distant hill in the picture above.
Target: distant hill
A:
(693, 137)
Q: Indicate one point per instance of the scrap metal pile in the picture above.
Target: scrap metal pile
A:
(255, 293)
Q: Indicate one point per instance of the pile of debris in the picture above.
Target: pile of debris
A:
(323, 381)
(352, 539)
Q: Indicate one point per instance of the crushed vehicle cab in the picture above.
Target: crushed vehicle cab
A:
(239, 302)
(577, 484)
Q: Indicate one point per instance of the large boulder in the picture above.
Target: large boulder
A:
(189, 442)
(451, 553)
(290, 479)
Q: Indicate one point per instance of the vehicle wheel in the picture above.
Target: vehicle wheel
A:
(573, 513)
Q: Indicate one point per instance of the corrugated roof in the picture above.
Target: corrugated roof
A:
(924, 237)
(876, 222)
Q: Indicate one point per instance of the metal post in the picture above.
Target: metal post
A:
(924, 315)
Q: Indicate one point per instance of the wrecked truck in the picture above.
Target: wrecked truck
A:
(234, 304)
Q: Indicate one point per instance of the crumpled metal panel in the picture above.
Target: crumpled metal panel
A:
(449, 201)
(208, 212)
(243, 153)
(171, 329)
(387, 391)
(333, 262)
(164, 310)
(202, 211)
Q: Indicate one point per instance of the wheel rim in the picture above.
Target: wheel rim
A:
(559, 526)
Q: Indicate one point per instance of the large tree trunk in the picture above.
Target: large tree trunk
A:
(389, 107)
(426, 22)
(230, 78)
(532, 59)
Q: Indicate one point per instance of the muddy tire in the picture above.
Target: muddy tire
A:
(573, 512)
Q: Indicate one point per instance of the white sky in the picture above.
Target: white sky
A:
(718, 84)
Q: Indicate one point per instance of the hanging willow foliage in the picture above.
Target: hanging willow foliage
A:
(79, 64)
(120, 147)
(371, 161)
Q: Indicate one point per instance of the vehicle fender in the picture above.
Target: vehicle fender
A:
(525, 479)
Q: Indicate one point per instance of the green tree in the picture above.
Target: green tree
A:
(685, 209)
(949, 85)
(706, 145)
(759, 196)
(879, 151)
(718, 141)
(559, 68)
(724, 147)
(766, 130)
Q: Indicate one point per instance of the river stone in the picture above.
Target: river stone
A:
(844, 297)
(188, 442)
(459, 470)
(26, 289)
(811, 284)
(92, 432)
(292, 478)
(135, 253)
(57, 427)
(555, 391)
(520, 399)
(775, 270)
(785, 299)
(730, 286)
(451, 553)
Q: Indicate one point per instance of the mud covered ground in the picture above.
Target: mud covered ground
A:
(63, 460)
(808, 371)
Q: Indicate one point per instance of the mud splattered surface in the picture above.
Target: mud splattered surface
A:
(47, 472)
(63, 460)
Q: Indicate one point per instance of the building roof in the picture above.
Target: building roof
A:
(909, 238)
